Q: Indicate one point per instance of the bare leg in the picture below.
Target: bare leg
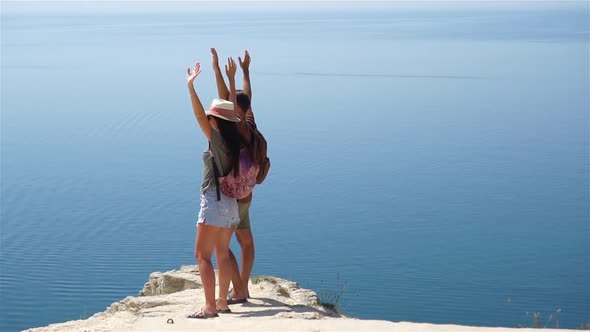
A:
(224, 265)
(235, 276)
(246, 241)
(205, 244)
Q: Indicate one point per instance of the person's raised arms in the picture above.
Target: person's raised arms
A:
(246, 85)
(230, 70)
(222, 90)
(245, 65)
(196, 102)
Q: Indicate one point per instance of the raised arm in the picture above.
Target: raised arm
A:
(196, 102)
(222, 91)
(230, 70)
(246, 86)
(245, 64)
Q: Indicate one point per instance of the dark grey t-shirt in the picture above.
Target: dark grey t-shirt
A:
(222, 158)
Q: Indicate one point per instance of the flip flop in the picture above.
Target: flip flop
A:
(202, 315)
(236, 301)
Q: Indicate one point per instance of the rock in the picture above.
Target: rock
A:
(293, 294)
(136, 304)
(299, 315)
(172, 281)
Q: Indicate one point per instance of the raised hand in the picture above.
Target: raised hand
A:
(246, 63)
(192, 74)
(215, 59)
(231, 68)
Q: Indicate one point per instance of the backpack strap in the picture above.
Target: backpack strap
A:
(215, 173)
(216, 176)
(251, 128)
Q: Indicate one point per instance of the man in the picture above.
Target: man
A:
(243, 232)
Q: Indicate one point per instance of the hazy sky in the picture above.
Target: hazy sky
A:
(307, 5)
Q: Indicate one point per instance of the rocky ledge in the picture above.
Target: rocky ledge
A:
(276, 305)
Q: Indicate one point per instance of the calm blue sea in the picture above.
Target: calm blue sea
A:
(427, 166)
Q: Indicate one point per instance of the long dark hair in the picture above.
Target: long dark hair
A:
(234, 141)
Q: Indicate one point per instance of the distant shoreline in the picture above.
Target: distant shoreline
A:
(280, 6)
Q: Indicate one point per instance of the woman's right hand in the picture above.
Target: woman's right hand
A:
(215, 59)
(192, 74)
(246, 63)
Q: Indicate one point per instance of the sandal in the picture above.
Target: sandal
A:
(236, 301)
(202, 315)
(229, 297)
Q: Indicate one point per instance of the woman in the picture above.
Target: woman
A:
(219, 213)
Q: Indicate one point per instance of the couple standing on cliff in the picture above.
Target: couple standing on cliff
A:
(234, 162)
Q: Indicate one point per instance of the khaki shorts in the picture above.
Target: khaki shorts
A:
(244, 213)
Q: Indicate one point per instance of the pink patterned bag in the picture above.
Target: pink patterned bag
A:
(240, 186)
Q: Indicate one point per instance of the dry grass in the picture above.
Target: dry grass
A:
(283, 291)
(258, 279)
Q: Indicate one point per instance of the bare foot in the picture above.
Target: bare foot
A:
(222, 305)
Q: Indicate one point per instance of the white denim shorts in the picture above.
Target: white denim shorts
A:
(222, 213)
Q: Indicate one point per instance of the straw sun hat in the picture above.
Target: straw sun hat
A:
(223, 109)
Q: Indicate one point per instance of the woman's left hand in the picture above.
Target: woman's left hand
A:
(231, 68)
(191, 75)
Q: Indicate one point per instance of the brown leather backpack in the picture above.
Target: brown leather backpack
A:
(259, 149)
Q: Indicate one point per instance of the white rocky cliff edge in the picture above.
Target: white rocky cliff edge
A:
(275, 305)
